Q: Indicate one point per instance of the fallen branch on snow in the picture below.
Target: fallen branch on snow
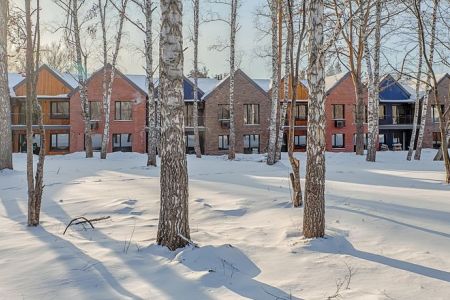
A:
(84, 221)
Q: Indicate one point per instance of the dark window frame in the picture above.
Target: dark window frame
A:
(299, 116)
(100, 105)
(249, 149)
(57, 114)
(222, 139)
(119, 114)
(333, 141)
(334, 107)
(57, 148)
(122, 148)
(249, 110)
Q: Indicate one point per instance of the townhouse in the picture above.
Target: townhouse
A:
(432, 135)
(53, 93)
(59, 97)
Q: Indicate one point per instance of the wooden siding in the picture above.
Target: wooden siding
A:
(48, 84)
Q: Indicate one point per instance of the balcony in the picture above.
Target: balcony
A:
(189, 121)
(402, 119)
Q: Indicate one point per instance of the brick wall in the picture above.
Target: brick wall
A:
(246, 92)
(430, 126)
(123, 90)
(342, 93)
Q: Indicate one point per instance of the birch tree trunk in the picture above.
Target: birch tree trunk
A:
(374, 87)
(35, 185)
(271, 152)
(173, 228)
(152, 137)
(233, 29)
(425, 102)
(5, 105)
(197, 148)
(109, 70)
(416, 103)
(82, 80)
(314, 211)
(283, 110)
(295, 163)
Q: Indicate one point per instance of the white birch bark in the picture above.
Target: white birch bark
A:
(314, 211)
(416, 102)
(173, 228)
(109, 69)
(283, 109)
(233, 29)
(152, 138)
(271, 152)
(5, 104)
(425, 102)
(374, 86)
(82, 79)
(198, 151)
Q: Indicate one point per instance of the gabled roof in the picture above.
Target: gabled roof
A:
(141, 81)
(13, 80)
(392, 90)
(65, 78)
(207, 85)
(238, 71)
(334, 80)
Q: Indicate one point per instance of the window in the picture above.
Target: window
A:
(337, 140)
(122, 142)
(95, 110)
(123, 110)
(36, 143)
(436, 140)
(224, 112)
(365, 138)
(59, 110)
(223, 142)
(396, 138)
(188, 115)
(96, 141)
(435, 113)
(251, 143)
(381, 139)
(251, 114)
(59, 141)
(338, 112)
(300, 141)
(301, 111)
(382, 112)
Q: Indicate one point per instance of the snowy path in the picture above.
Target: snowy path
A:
(389, 222)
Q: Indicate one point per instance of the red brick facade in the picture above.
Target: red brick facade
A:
(123, 90)
(246, 92)
(432, 134)
(341, 93)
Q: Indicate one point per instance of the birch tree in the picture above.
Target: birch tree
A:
(196, 6)
(36, 184)
(271, 152)
(5, 105)
(293, 79)
(374, 86)
(233, 30)
(428, 58)
(353, 29)
(314, 211)
(173, 228)
(74, 28)
(431, 77)
(109, 68)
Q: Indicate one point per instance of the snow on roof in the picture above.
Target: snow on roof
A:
(207, 85)
(13, 80)
(265, 84)
(331, 81)
(70, 79)
(141, 81)
(410, 86)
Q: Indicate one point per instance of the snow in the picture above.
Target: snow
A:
(13, 80)
(331, 81)
(141, 81)
(265, 84)
(389, 222)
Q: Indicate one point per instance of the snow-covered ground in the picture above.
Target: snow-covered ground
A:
(388, 224)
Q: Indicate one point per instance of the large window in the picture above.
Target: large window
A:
(223, 142)
(382, 112)
(123, 111)
(122, 142)
(224, 112)
(300, 141)
(59, 110)
(301, 111)
(251, 114)
(95, 110)
(338, 112)
(435, 113)
(381, 138)
(365, 117)
(338, 140)
(59, 141)
(251, 143)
